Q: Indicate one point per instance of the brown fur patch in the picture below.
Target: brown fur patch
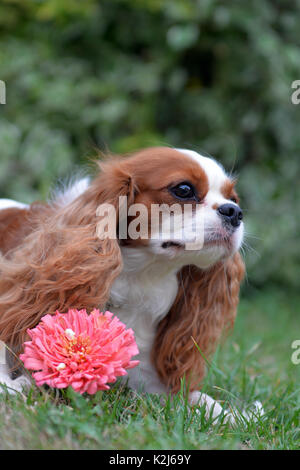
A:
(16, 224)
(61, 263)
(228, 190)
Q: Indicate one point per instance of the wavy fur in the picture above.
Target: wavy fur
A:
(62, 263)
(205, 306)
(59, 262)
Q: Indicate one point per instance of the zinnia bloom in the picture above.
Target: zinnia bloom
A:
(79, 350)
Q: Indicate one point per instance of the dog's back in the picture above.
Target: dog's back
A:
(16, 222)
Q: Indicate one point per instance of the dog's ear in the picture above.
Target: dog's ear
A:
(63, 263)
(205, 306)
(116, 179)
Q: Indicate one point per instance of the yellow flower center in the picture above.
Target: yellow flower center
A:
(77, 345)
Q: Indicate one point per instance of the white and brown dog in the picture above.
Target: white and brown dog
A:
(52, 258)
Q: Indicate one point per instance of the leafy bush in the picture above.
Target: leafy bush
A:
(210, 75)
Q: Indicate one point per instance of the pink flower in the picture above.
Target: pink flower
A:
(79, 350)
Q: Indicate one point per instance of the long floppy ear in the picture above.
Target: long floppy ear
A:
(205, 305)
(63, 263)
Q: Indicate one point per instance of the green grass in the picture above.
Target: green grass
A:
(254, 364)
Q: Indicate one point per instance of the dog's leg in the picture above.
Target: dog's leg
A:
(214, 410)
(12, 386)
(13, 381)
(11, 356)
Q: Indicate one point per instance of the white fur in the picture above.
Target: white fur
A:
(141, 296)
(213, 170)
(9, 203)
(70, 191)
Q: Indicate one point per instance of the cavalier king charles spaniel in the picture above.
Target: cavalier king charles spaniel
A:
(177, 299)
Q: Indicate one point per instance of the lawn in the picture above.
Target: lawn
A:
(254, 364)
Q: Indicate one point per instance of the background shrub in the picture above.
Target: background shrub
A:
(213, 76)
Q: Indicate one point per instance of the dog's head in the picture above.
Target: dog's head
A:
(174, 204)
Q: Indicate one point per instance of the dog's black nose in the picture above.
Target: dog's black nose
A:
(232, 213)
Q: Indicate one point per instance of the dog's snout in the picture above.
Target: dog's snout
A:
(232, 213)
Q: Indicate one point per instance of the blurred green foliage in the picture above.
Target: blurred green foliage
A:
(213, 76)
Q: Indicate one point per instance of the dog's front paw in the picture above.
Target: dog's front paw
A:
(213, 410)
(253, 413)
(12, 386)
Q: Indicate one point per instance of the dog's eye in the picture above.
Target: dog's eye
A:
(233, 199)
(183, 191)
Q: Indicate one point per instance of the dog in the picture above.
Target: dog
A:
(177, 295)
